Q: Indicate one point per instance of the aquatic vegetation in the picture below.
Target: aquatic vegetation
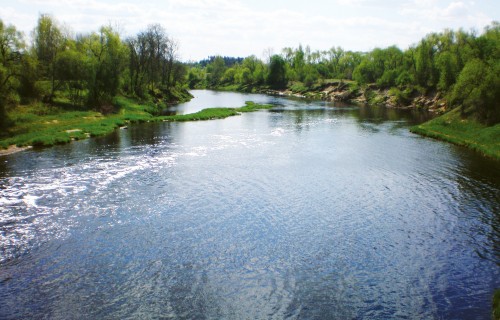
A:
(56, 125)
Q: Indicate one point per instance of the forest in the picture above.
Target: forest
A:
(462, 66)
(89, 71)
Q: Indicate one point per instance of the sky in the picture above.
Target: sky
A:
(241, 28)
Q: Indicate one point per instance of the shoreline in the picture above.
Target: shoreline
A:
(468, 133)
(13, 149)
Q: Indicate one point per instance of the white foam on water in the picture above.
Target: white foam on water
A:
(30, 201)
(278, 132)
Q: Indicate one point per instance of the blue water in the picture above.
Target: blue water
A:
(306, 211)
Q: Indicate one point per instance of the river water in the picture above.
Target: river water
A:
(305, 211)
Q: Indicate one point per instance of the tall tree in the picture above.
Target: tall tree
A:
(11, 47)
(152, 60)
(277, 72)
(476, 90)
(215, 71)
(48, 40)
(424, 64)
(71, 69)
(107, 56)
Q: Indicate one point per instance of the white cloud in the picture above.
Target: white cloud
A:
(240, 27)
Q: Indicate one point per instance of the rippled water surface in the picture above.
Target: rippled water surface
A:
(304, 211)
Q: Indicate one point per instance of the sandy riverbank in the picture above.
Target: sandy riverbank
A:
(12, 149)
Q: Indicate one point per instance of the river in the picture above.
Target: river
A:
(308, 210)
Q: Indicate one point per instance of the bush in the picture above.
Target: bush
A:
(401, 97)
(388, 79)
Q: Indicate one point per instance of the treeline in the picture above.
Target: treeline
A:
(87, 70)
(463, 66)
(228, 61)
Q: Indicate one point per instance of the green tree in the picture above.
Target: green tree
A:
(334, 57)
(254, 71)
(229, 75)
(447, 66)
(106, 62)
(48, 40)
(196, 77)
(11, 53)
(277, 72)
(216, 71)
(365, 72)
(298, 63)
(152, 61)
(178, 74)
(424, 64)
(347, 63)
(71, 69)
(476, 91)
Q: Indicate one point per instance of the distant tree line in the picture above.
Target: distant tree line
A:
(87, 70)
(228, 61)
(463, 66)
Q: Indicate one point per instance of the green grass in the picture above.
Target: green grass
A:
(205, 114)
(496, 305)
(217, 113)
(452, 128)
(41, 125)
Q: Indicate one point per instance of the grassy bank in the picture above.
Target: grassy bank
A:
(452, 128)
(38, 125)
(496, 305)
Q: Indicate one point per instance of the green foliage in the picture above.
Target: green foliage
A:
(405, 78)
(496, 305)
(28, 78)
(152, 65)
(196, 78)
(400, 97)
(389, 78)
(424, 68)
(48, 42)
(447, 65)
(277, 72)
(476, 91)
(215, 71)
(298, 87)
(251, 106)
(71, 69)
(107, 55)
(11, 46)
(365, 72)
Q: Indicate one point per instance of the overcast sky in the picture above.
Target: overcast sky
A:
(246, 27)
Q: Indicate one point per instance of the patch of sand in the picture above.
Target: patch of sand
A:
(12, 149)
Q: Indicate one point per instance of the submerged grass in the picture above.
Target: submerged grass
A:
(40, 125)
(451, 127)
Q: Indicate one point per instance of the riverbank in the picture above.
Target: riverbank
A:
(58, 126)
(496, 305)
(351, 92)
(451, 127)
(13, 149)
